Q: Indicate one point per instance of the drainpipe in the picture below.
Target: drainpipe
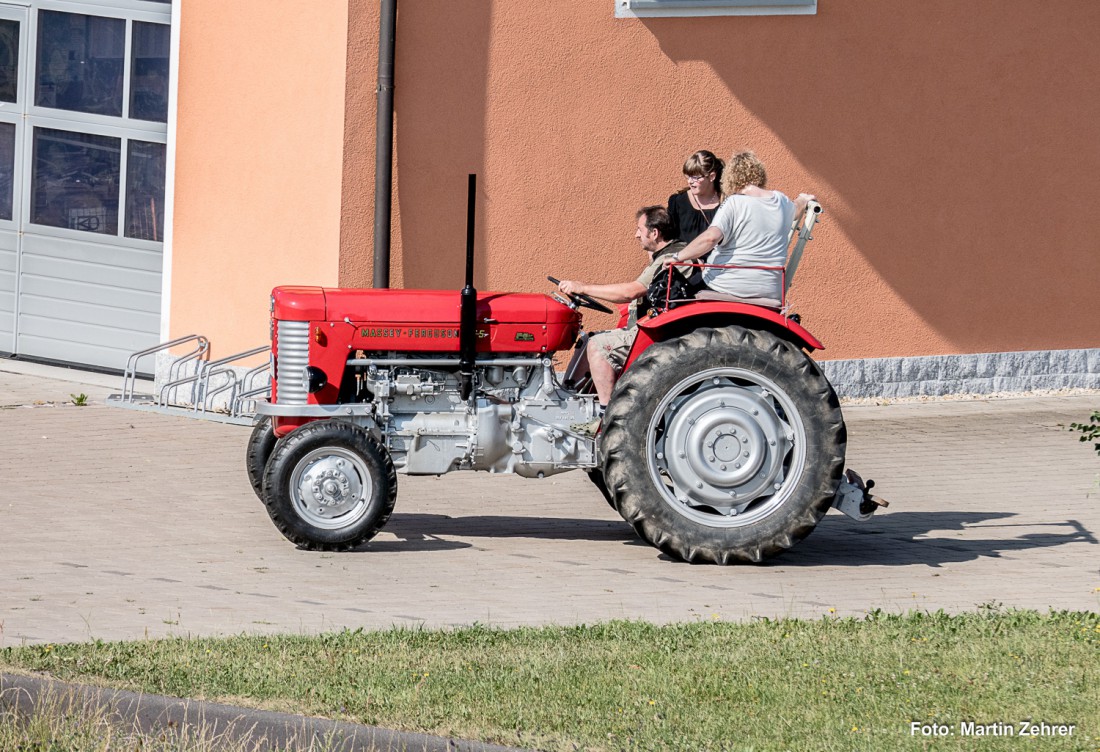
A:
(383, 164)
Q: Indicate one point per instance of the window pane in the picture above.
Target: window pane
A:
(9, 60)
(145, 191)
(80, 62)
(149, 72)
(74, 181)
(7, 168)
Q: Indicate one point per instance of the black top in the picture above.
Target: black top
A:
(688, 222)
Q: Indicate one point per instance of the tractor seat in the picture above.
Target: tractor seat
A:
(726, 297)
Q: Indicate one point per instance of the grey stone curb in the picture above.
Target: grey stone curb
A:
(151, 714)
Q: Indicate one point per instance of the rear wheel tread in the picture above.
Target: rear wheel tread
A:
(624, 463)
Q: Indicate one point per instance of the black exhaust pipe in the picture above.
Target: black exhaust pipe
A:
(467, 323)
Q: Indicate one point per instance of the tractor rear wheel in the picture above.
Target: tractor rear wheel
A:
(723, 445)
(329, 486)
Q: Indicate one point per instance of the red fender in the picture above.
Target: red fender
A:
(672, 323)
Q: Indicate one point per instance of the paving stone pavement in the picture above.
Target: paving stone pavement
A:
(117, 524)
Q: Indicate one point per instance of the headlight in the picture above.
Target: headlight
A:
(313, 379)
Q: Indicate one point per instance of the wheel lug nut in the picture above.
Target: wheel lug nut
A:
(746, 454)
(723, 467)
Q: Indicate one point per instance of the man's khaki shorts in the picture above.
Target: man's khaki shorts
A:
(615, 345)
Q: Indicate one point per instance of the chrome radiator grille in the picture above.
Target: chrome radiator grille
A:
(293, 347)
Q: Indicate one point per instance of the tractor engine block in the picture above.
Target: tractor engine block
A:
(519, 422)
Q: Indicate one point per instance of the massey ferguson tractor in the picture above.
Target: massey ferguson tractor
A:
(723, 441)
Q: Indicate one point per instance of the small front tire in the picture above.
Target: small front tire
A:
(596, 476)
(260, 445)
(329, 486)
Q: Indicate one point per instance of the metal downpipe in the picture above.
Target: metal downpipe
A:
(383, 164)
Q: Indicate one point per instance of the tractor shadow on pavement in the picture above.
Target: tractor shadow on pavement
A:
(891, 539)
(426, 532)
(929, 538)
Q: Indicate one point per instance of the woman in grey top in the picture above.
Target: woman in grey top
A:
(749, 230)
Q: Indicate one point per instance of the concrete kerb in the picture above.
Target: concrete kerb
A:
(227, 724)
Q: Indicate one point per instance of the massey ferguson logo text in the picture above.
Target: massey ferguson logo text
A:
(416, 333)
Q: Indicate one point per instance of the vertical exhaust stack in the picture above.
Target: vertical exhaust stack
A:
(467, 326)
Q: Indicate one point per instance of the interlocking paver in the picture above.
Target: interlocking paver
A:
(120, 524)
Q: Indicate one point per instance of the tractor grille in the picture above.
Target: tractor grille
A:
(293, 344)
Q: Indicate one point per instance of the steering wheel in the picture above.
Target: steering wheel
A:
(580, 300)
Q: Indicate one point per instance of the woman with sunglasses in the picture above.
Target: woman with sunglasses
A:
(693, 208)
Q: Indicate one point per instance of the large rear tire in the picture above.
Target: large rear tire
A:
(329, 486)
(723, 445)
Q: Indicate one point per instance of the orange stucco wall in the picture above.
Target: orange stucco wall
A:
(259, 153)
(952, 145)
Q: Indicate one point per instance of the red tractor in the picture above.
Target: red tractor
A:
(723, 440)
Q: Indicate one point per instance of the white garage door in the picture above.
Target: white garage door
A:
(83, 113)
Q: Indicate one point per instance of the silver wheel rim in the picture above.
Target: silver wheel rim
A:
(726, 447)
(331, 488)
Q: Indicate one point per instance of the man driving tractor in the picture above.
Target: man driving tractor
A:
(607, 351)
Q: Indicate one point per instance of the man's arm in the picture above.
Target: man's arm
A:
(697, 248)
(622, 292)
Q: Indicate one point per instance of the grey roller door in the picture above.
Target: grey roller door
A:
(81, 251)
(85, 302)
(13, 44)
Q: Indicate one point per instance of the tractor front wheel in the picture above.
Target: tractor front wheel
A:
(329, 486)
(723, 445)
(596, 476)
(260, 445)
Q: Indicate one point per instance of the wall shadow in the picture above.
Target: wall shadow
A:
(957, 144)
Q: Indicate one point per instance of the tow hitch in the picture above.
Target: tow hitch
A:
(853, 497)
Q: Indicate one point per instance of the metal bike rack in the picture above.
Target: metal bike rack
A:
(194, 383)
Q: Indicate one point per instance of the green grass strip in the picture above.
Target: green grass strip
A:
(832, 684)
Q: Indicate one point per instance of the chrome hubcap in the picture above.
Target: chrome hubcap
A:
(331, 488)
(726, 447)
